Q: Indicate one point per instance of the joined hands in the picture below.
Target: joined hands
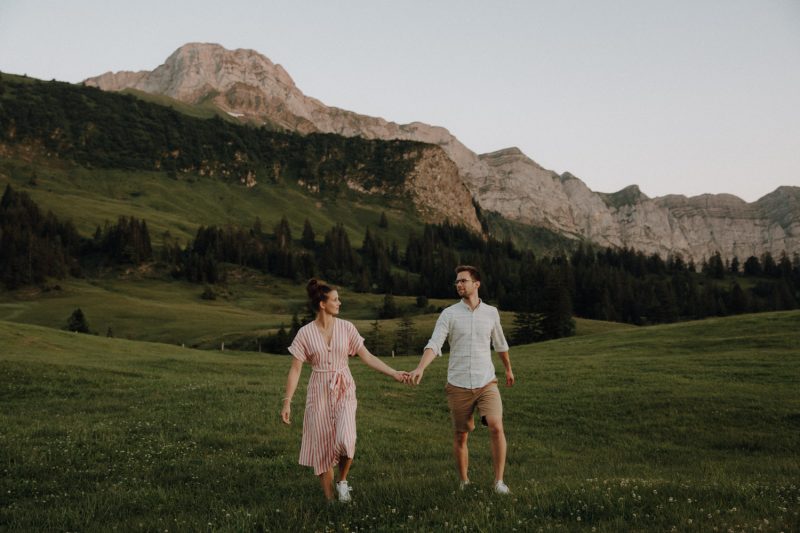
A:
(409, 378)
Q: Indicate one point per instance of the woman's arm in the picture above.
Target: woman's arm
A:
(291, 386)
(376, 364)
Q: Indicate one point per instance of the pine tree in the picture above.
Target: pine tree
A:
(383, 222)
(769, 266)
(283, 234)
(296, 325)
(404, 341)
(527, 328)
(715, 268)
(557, 321)
(389, 308)
(257, 229)
(77, 322)
(375, 339)
(734, 265)
(738, 300)
(752, 266)
(308, 235)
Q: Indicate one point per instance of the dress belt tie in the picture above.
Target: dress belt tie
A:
(338, 378)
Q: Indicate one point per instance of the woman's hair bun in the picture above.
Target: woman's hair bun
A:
(317, 292)
(311, 288)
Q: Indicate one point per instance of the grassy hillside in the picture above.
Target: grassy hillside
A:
(90, 197)
(138, 307)
(688, 427)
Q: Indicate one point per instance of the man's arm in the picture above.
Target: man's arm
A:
(501, 346)
(433, 348)
(507, 364)
(415, 376)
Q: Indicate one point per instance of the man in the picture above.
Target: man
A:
(469, 326)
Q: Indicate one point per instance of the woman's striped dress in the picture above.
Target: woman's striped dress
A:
(329, 424)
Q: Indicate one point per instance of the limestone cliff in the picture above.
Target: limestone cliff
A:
(694, 227)
(247, 85)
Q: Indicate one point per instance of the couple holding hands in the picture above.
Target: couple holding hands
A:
(329, 423)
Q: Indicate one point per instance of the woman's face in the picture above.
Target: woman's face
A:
(332, 304)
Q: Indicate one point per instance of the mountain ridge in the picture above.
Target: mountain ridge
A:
(249, 86)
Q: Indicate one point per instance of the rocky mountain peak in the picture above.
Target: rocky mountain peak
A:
(249, 86)
(630, 195)
(194, 68)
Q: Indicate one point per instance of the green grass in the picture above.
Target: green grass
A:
(203, 110)
(90, 197)
(690, 426)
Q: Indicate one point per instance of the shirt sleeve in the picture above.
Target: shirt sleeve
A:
(299, 348)
(354, 340)
(439, 334)
(498, 339)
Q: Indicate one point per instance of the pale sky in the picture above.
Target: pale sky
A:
(678, 97)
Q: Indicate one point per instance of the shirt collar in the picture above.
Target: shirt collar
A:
(468, 308)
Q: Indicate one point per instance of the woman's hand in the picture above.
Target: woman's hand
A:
(400, 376)
(286, 412)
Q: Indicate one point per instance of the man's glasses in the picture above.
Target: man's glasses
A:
(462, 281)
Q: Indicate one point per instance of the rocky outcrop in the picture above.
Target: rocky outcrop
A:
(247, 85)
(695, 227)
(438, 191)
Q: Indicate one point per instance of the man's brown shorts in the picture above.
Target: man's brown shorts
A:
(463, 402)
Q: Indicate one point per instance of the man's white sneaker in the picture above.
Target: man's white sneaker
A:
(463, 484)
(343, 492)
(501, 488)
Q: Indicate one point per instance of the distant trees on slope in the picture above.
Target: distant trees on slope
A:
(606, 284)
(33, 245)
(113, 130)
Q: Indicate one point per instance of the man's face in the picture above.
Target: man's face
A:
(465, 285)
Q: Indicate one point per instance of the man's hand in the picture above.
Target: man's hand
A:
(415, 376)
(509, 378)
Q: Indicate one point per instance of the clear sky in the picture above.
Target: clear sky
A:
(679, 96)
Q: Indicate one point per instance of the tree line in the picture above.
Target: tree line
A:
(546, 292)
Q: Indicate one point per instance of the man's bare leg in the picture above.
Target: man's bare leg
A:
(498, 437)
(461, 453)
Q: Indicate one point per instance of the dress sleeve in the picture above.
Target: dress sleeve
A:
(299, 348)
(354, 340)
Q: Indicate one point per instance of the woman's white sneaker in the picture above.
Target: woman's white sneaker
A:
(501, 488)
(343, 491)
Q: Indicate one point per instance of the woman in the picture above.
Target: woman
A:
(329, 424)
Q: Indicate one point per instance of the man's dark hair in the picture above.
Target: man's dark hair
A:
(473, 272)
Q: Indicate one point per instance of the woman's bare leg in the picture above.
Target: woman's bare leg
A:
(326, 479)
(344, 467)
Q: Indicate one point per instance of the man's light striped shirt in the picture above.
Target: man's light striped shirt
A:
(469, 334)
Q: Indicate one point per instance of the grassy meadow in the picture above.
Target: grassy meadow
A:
(686, 427)
(153, 308)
